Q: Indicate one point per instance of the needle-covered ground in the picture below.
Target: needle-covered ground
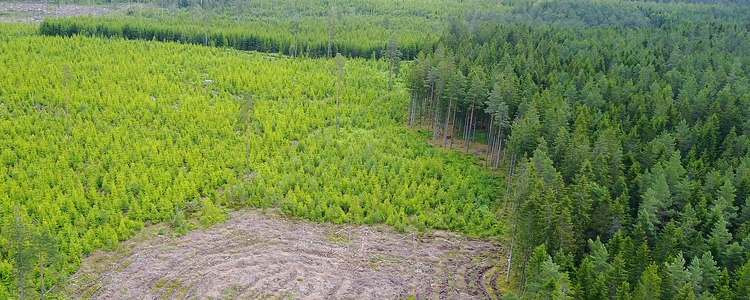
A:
(255, 255)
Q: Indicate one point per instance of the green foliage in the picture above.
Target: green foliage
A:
(742, 282)
(676, 278)
(649, 286)
(210, 214)
(703, 273)
(545, 280)
(686, 293)
(624, 123)
(722, 290)
(620, 128)
(154, 137)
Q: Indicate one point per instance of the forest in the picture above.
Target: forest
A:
(627, 151)
(617, 133)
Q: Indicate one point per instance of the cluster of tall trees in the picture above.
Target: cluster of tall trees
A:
(452, 100)
(626, 150)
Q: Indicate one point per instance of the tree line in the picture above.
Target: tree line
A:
(263, 38)
(361, 29)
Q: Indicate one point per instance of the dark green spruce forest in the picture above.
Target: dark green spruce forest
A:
(604, 144)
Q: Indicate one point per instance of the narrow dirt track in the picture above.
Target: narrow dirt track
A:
(256, 256)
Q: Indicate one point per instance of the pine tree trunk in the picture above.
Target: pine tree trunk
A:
(500, 145)
(421, 110)
(425, 110)
(434, 126)
(453, 127)
(510, 176)
(337, 105)
(433, 116)
(447, 118)
(465, 132)
(329, 48)
(473, 130)
(515, 209)
(408, 115)
(471, 120)
(489, 129)
(494, 159)
(435, 123)
(466, 128)
(497, 155)
(510, 257)
(498, 149)
(489, 144)
(429, 111)
(414, 110)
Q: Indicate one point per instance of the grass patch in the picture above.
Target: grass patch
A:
(90, 291)
(160, 283)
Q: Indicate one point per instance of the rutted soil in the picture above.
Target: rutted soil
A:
(36, 12)
(265, 256)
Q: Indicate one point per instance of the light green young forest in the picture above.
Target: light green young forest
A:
(160, 132)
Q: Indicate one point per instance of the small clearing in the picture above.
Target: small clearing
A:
(255, 255)
(476, 149)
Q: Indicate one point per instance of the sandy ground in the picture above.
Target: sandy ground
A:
(36, 12)
(264, 256)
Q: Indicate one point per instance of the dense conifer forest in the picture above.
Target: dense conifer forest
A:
(627, 151)
(605, 144)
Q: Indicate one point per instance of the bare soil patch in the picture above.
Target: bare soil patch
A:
(256, 255)
(36, 12)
